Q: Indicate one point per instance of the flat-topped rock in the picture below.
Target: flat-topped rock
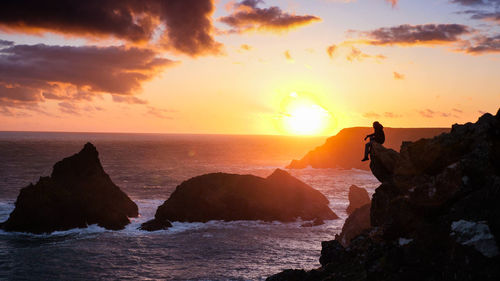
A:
(231, 197)
(78, 193)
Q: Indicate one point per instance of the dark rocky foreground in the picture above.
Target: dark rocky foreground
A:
(78, 193)
(435, 216)
(345, 149)
(230, 197)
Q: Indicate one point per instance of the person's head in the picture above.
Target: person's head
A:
(377, 126)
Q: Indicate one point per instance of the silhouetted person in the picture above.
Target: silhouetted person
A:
(377, 136)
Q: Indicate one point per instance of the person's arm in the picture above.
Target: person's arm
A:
(370, 135)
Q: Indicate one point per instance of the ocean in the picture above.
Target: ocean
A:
(148, 167)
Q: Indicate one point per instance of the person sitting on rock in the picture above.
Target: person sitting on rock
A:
(378, 136)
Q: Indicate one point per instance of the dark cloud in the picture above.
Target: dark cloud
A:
(416, 34)
(474, 2)
(183, 25)
(357, 54)
(457, 110)
(485, 15)
(189, 26)
(330, 50)
(483, 45)
(247, 16)
(128, 99)
(30, 74)
(398, 76)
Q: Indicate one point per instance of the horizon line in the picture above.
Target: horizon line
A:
(208, 134)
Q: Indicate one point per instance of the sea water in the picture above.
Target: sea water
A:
(148, 167)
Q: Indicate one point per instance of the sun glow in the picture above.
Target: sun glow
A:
(304, 116)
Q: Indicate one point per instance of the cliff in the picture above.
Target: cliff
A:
(435, 215)
(345, 150)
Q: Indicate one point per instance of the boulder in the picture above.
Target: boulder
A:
(357, 197)
(230, 197)
(155, 224)
(78, 193)
(355, 224)
(383, 161)
(435, 215)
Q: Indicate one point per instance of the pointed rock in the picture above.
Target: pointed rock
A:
(77, 194)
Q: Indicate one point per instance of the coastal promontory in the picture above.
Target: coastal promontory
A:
(435, 215)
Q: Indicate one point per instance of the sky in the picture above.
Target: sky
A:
(281, 67)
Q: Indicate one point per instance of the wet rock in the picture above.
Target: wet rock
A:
(355, 224)
(357, 197)
(78, 193)
(155, 224)
(230, 197)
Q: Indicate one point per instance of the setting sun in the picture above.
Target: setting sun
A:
(303, 116)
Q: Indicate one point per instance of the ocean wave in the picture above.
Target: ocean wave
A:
(147, 209)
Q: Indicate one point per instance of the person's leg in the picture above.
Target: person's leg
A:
(368, 146)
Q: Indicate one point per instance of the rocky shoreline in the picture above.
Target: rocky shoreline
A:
(435, 215)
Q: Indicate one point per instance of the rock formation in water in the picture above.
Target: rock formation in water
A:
(230, 197)
(345, 149)
(78, 193)
(435, 216)
(358, 197)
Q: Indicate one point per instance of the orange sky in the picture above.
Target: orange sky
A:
(419, 64)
